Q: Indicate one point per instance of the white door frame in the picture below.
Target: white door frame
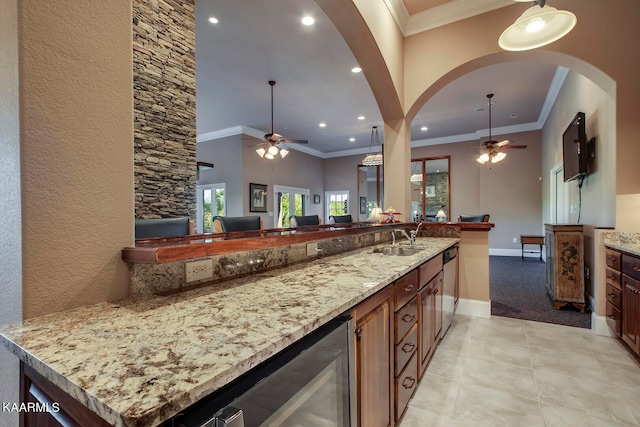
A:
(286, 189)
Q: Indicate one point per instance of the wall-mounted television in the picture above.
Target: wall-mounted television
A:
(575, 149)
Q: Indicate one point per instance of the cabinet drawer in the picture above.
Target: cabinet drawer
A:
(614, 318)
(613, 278)
(613, 259)
(406, 383)
(614, 296)
(631, 266)
(405, 288)
(406, 348)
(430, 269)
(405, 318)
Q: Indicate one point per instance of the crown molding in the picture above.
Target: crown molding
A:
(447, 13)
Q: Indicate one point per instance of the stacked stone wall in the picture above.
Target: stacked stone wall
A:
(164, 96)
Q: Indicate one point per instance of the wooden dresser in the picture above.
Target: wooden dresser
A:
(565, 265)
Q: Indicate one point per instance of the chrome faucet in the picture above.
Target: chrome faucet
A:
(404, 233)
(414, 233)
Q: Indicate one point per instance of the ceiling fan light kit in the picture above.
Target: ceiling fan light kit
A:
(271, 146)
(373, 158)
(493, 154)
(538, 26)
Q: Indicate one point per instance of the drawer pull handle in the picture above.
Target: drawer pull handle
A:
(611, 277)
(408, 347)
(359, 333)
(636, 268)
(408, 317)
(611, 316)
(408, 382)
(409, 287)
(611, 295)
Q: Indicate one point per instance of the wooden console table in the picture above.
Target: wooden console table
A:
(531, 240)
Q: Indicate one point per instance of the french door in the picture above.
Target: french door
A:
(210, 201)
(288, 201)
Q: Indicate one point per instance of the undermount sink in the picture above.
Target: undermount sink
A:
(396, 250)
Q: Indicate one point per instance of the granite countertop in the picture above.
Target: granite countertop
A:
(139, 362)
(628, 247)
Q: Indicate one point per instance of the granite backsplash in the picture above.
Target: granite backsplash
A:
(155, 279)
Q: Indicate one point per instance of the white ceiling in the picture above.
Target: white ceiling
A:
(258, 41)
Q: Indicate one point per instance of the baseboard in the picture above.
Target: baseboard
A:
(513, 252)
(599, 326)
(475, 308)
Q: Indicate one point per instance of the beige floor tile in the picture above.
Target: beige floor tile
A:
(592, 397)
(490, 350)
(555, 416)
(436, 394)
(572, 364)
(478, 377)
(556, 341)
(500, 376)
(610, 349)
(419, 417)
(447, 363)
(485, 406)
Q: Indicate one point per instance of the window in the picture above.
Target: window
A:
(211, 201)
(289, 201)
(337, 203)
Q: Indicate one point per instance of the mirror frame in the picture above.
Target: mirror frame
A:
(423, 169)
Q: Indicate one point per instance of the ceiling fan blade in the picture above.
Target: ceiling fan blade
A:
(503, 143)
(516, 146)
(297, 141)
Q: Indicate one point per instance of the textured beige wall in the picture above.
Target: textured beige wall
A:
(436, 57)
(77, 152)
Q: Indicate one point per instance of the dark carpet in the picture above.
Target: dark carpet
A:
(518, 289)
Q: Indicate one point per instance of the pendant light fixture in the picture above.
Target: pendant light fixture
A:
(537, 26)
(374, 158)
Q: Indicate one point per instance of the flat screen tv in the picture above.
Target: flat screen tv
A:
(575, 159)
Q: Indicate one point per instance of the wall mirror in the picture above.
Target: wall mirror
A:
(430, 188)
(370, 191)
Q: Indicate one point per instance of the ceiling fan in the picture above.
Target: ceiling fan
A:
(271, 147)
(492, 147)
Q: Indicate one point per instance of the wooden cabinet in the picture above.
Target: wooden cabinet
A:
(565, 265)
(614, 291)
(430, 319)
(631, 301)
(406, 341)
(61, 409)
(373, 359)
(623, 296)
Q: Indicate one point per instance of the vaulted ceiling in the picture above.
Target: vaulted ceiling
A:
(255, 42)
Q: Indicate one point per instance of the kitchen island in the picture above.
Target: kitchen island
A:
(141, 361)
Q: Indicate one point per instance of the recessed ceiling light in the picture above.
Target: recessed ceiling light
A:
(308, 20)
(479, 109)
(356, 69)
(352, 139)
(423, 128)
(323, 125)
(514, 115)
(360, 117)
(213, 20)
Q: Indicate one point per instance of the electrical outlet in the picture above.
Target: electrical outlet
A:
(198, 270)
(312, 249)
(515, 240)
(376, 237)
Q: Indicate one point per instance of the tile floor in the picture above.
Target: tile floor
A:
(511, 372)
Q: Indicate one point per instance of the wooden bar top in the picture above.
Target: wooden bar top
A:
(161, 250)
